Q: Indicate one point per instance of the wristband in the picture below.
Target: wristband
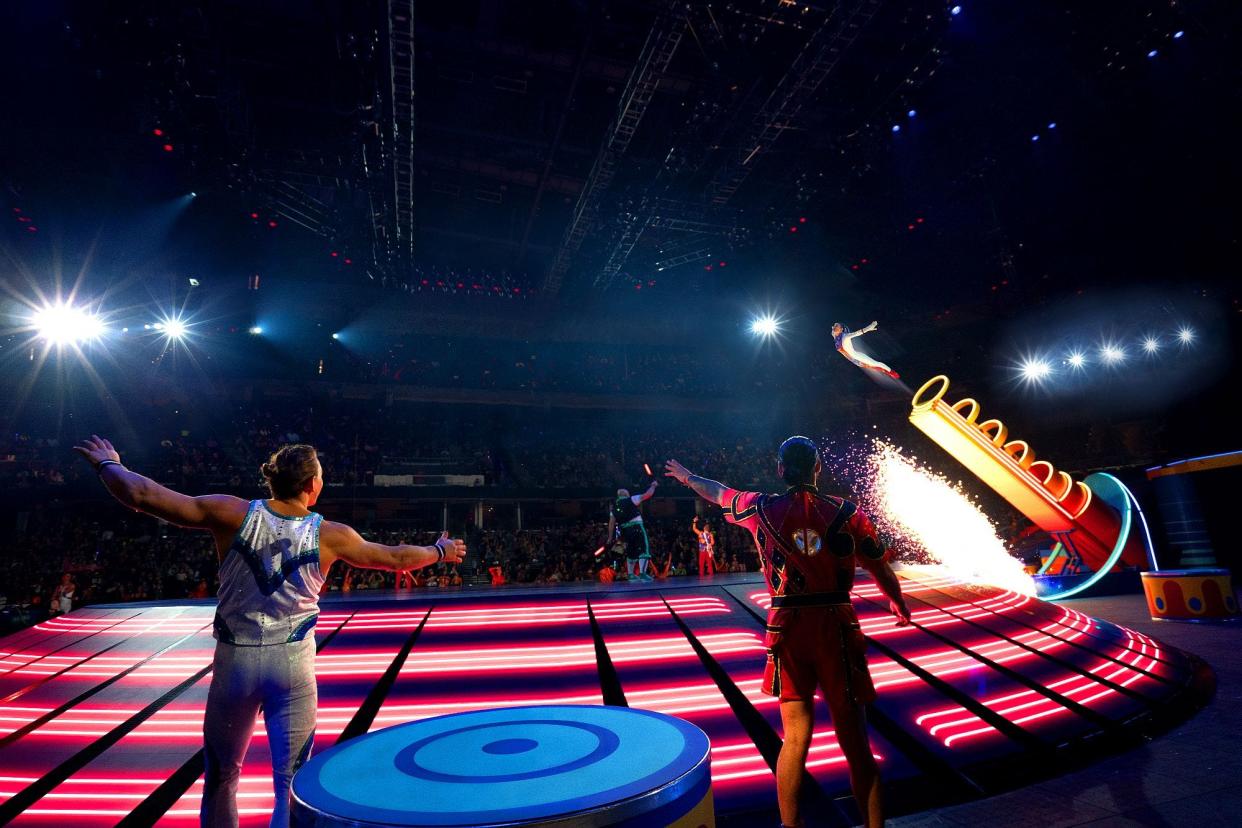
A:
(440, 552)
(100, 465)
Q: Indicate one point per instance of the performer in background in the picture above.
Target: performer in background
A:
(626, 517)
(64, 594)
(843, 339)
(707, 546)
(809, 544)
(274, 555)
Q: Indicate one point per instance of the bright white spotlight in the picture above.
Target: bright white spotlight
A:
(1035, 369)
(63, 324)
(1151, 345)
(764, 326)
(1076, 359)
(1185, 335)
(336, 336)
(1112, 355)
(172, 327)
(256, 330)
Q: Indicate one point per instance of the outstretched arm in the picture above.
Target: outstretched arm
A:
(861, 331)
(338, 540)
(709, 490)
(650, 491)
(219, 513)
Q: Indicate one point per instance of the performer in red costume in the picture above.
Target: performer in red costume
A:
(809, 545)
(707, 546)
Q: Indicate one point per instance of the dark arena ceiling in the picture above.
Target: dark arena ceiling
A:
(595, 154)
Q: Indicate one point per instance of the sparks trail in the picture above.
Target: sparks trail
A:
(921, 511)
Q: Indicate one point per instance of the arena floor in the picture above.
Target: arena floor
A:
(101, 710)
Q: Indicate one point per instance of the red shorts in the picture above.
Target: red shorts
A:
(821, 646)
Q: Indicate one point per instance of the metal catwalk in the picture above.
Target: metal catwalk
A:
(101, 710)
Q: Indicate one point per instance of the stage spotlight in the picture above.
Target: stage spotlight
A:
(1151, 345)
(193, 194)
(955, 11)
(336, 336)
(256, 330)
(1035, 369)
(63, 324)
(896, 127)
(173, 328)
(1112, 355)
(911, 113)
(765, 326)
(1178, 35)
(1035, 137)
(1052, 125)
(1152, 53)
(1076, 359)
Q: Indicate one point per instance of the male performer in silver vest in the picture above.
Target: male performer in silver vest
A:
(274, 554)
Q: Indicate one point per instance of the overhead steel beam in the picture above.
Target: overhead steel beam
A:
(653, 62)
(401, 158)
(807, 72)
(666, 214)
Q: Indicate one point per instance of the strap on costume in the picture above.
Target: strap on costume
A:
(812, 599)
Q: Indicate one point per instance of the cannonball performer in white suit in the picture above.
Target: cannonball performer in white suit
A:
(843, 339)
(274, 554)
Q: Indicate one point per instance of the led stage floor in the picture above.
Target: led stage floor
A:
(101, 710)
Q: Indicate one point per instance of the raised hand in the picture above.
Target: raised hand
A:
(96, 449)
(676, 471)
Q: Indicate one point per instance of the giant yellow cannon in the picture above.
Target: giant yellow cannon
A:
(1091, 519)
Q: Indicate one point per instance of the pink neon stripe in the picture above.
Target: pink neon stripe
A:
(1041, 706)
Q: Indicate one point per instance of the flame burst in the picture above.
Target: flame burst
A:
(921, 508)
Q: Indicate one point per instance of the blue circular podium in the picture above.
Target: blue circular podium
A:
(528, 766)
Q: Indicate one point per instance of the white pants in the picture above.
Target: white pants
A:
(862, 360)
(277, 679)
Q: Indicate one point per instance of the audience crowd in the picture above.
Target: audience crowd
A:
(68, 560)
(70, 546)
(555, 366)
(220, 447)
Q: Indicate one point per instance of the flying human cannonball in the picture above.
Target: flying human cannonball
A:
(525, 766)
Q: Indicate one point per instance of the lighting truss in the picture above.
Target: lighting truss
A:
(653, 61)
